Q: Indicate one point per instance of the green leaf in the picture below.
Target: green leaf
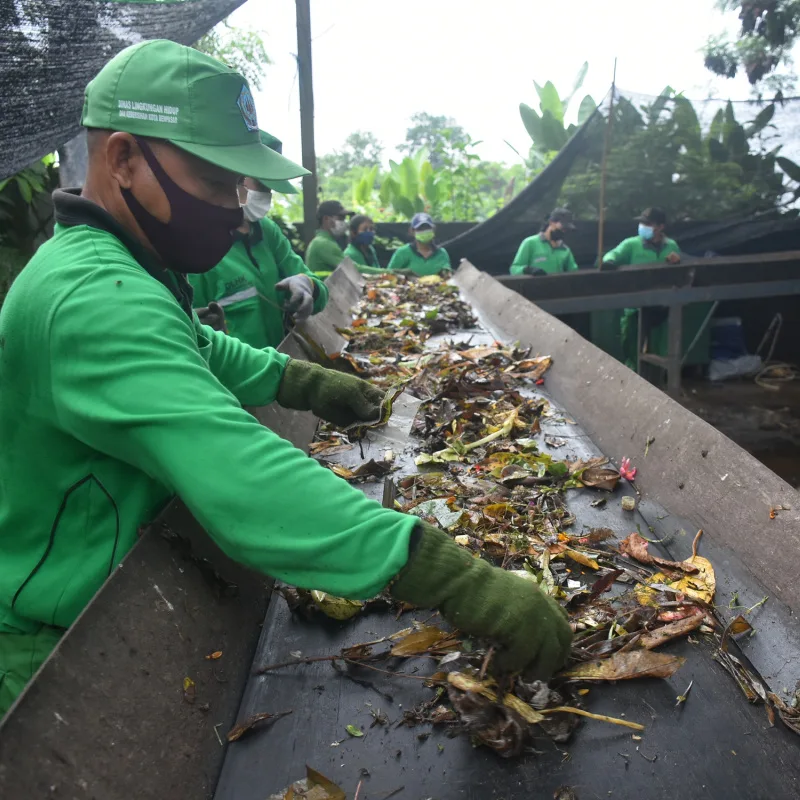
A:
(761, 121)
(387, 190)
(687, 123)
(550, 101)
(789, 167)
(579, 79)
(4, 183)
(554, 137)
(532, 122)
(659, 104)
(431, 189)
(409, 184)
(586, 109)
(24, 189)
(717, 151)
(717, 126)
(354, 731)
(403, 206)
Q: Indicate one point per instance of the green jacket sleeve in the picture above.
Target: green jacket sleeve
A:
(620, 256)
(569, 262)
(399, 259)
(141, 389)
(521, 259)
(289, 263)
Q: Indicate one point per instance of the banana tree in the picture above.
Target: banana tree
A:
(546, 128)
(411, 185)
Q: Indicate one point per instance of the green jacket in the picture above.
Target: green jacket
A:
(357, 256)
(323, 253)
(408, 257)
(243, 283)
(536, 252)
(638, 251)
(115, 398)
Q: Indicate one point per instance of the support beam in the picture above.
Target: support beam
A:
(305, 82)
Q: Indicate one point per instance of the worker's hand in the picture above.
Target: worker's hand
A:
(673, 258)
(334, 396)
(300, 300)
(534, 271)
(486, 601)
(212, 315)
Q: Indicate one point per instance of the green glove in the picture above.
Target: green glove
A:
(486, 601)
(334, 396)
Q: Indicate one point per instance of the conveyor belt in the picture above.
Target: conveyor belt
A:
(716, 745)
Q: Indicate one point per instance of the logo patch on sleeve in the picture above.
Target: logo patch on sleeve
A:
(248, 108)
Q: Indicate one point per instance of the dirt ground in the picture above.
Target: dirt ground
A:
(765, 423)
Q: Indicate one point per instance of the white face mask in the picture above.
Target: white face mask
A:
(257, 205)
(339, 228)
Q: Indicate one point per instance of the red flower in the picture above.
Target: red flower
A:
(626, 470)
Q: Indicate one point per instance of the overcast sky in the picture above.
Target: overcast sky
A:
(376, 62)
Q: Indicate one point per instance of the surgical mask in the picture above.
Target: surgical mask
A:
(646, 232)
(426, 237)
(364, 238)
(339, 228)
(257, 205)
(198, 234)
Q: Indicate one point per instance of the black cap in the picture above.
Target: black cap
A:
(564, 216)
(332, 208)
(653, 216)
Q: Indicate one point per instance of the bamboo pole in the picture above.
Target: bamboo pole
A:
(606, 148)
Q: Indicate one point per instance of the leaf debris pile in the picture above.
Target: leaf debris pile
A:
(486, 481)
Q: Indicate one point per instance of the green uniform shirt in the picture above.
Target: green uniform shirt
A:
(371, 267)
(536, 252)
(114, 399)
(408, 257)
(243, 283)
(323, 253)
(638, 251)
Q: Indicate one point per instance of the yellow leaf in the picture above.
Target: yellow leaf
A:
(462, 539)
(188, 684)
(581, 558)
(427, 639)
(342, 472)
(336, 607)
(429, 280)
(700, 586)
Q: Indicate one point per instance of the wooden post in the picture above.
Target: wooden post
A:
(606, 147)
(306, 85)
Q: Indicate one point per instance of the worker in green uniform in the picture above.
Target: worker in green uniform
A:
(651, 245)
(116, 398)
(545, 253)
(261, 281)
(323, 253)
(360, 250)
(422, 256)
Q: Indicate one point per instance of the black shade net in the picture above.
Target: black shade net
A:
(50, 50)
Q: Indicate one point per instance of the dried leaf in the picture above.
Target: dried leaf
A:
(214, 656)
(189, 690)
(336, 607)
(673, 630)
(603, 584)
(236, 733)
(440, 509)
(635, 546)
(626, 666)
(428, 639)
(466, 683)
(600, 478)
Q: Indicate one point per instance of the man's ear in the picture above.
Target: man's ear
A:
(122, 153)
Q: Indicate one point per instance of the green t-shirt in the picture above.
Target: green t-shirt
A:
(357, 256)
(537, 253)
(243, 283)
(408, 257)
(323, 253)
(115, 398)
(638, 251)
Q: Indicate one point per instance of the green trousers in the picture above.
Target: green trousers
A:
(21, 654)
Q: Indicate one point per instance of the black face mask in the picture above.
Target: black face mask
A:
(198, 234)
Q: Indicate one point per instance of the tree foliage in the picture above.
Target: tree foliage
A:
(769, 30)
(431, 132)
(241, 48)
(661, 155)
(361, 150)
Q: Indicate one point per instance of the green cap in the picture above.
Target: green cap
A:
(274, 143)
(167, 91)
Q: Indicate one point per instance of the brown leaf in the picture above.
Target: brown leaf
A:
(428, 639)
(214, 656)
(596, 535)
(626, 666)
(236, 733)
(600, 478)
(603, 584)
(635, 546)
(673, 630)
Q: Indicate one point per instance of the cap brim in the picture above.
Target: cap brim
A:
(251, 160)
(281, 187)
